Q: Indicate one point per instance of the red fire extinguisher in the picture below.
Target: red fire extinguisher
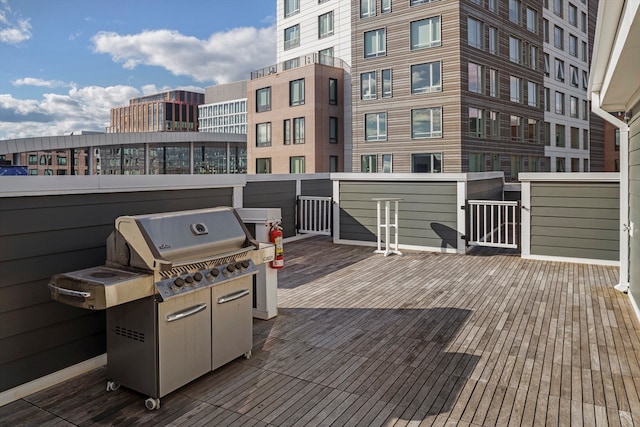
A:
(276, 238)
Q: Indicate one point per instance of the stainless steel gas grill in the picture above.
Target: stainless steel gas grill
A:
(177, 288)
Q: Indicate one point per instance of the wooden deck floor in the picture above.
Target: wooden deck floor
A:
(422, 339)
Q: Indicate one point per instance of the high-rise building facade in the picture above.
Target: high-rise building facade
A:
(172, 111)
(566, 78)
(225, 109)
(308, 29)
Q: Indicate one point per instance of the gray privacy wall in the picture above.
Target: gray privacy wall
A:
(571, 216)
(51, 225)
(634, 207)
(429, 215)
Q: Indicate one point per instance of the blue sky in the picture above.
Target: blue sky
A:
(65, 63)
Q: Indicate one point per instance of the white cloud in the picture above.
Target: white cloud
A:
(86, 108)
(222, 58)
(13, 29)
(33, 81)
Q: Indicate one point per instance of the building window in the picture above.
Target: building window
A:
(475, 32)
(547, 99)
(573, 45)
(477, 162)
(575, 138)
(532, 20)
(296, 92)
(292, 37)
(559, 103)
(296, 164)
(287, 131)
(33, 159)
(369, 163)
(375, 127)
(547, 66)
(263, 134)
(493, 6)
(584, 51)
(585, 80)
(560, 135)
(575, 76)
(375, 43)
(532, 94)
(532, 130)
(585, 141)
(333, 91)
(333, 163)
(425, 33)
(298, 130)
(62, 161)
(333, 130)
(291, 63)
(326, 56)
(417, 2)
(558, 37)
(368, 85)
(585, 109)
(547, 133)
(583, 22)
(533, 57)
(494, 125)
(325, 25)
(573, 107)
(573, 15)
(516, 128)
(367, 8)
(263, 165)
(514, 11)
(386, 6)
(515, 89)
(558, 7)
(386, 83)
(263, 99)
(515, 50)
(291, 7)
(559, 70)
(426, 123)
(560, 164)
(476, 77)
(494, 83)
(493, 41)
(545, 30)
(387, 163)
(476, 123)
(426, 78)
(426, 163)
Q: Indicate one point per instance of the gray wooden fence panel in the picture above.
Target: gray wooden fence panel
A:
(274, 194)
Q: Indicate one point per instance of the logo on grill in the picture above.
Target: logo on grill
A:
(164, 246)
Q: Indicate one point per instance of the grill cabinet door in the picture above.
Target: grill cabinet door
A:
(184, 324)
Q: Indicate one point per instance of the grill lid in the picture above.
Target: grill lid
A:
(162, 241)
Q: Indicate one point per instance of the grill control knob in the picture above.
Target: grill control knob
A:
(189, 280)
(231, 268)
(197, 276)
(213, 274)
(245, 264)
(179, 282)
(240, 266)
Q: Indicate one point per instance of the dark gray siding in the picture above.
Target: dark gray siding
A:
(486, 189)
(44, 235)
(634, 207)
(317, 187)
(427, 214)
(274, 194)
(578, 220)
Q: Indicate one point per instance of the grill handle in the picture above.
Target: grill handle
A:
(186, 312)
(69, 292)
(234, 296)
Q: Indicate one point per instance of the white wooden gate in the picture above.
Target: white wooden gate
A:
(314, 215)
(493, 223)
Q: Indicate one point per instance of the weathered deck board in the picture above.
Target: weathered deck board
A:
(422, 339)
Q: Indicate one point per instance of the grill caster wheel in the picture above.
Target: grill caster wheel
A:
(247, 355)
(112, 386)
(152, 403)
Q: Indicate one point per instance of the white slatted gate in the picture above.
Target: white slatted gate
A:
(314, 215)
(493, 223)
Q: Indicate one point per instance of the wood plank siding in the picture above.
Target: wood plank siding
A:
(316, 187)
(430, 339)
(427, 213)
(506, 152)
(274, 194)
(577, 220)
(44, 235)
